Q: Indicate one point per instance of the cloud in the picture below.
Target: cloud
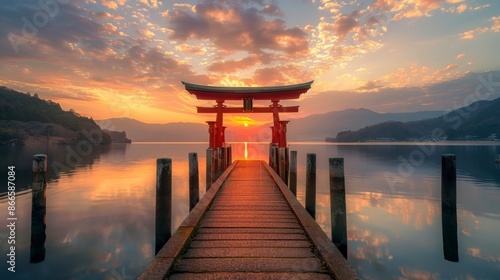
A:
(462, 8)
(194, 49)
(369, 86)
(106, 15)
(459, 56)
(150, 3)
(443, 95)
(408, 8)
(344, 25)
(272, 10)
(445, 70)
(234, 26)
(146, 33)
(495, 27)
(471, 34)
(229, 66)
(279, 75)
(24, 35)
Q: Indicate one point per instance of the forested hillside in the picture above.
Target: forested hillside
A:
(24, 116)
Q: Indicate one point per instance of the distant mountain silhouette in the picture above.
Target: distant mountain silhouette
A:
(311, 128)
(320, 126)
(169, 132)
(478, 121)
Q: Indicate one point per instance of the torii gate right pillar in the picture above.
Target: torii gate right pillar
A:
(279, 127)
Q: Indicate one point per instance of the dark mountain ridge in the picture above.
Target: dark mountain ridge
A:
(26, 118)
(477, 121)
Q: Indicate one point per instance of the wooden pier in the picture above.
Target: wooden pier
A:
(249, 226)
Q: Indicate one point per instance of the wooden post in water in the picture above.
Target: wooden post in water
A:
(311, 185)
(163, 202)
(273, 158)
(338, 204)
(220, 163)
(38, 208)
(449, 207)
(448, 181)
(223, 160)
(270, 154)
(282, 165)
(229, 155)
(293, 172)
(209, 169)
(39, 171)
(287, 165)
(194, 181)
(216, 164)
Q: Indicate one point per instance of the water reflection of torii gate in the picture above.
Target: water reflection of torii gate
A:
(221, 94)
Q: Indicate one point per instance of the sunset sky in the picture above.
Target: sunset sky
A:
(127, 58)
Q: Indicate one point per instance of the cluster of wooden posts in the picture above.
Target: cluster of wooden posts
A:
(286, 166)
(218, 160)
(279, 161)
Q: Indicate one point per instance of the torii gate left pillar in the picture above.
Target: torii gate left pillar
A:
(216, 129)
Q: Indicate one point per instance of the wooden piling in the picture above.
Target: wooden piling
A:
(223, 160)
(229, 155)
(194, 181)
(270, 155)
(311, 185)
(39, 171)
(163, 201)
(209, 166)
(218, 163)
(293, 172)
(450, 233)
(38, 208)
(273, 164)
(287, 165)
(448, 181)
(449, 207)
(338, 204)
(282, 165)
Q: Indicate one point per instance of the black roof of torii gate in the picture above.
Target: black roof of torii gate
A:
(237, 93)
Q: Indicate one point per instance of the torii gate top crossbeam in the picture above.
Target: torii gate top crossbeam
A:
(203, 92)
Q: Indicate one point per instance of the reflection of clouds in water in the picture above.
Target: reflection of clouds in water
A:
(418, 274)
(478, 253)
(407, 210)
(106, 221)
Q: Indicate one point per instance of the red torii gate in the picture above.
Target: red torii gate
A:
(247, 94)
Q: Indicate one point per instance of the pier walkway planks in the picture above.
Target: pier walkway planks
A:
(249, 226)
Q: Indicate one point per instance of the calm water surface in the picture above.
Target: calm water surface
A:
(100, 208)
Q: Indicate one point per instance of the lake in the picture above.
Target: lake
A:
(100, 205)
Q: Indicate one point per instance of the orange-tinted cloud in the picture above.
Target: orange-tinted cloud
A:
(495, 27)
(233, 26)
(229, 66)
(471, 34)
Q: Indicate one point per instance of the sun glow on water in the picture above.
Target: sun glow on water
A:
(246, 150)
